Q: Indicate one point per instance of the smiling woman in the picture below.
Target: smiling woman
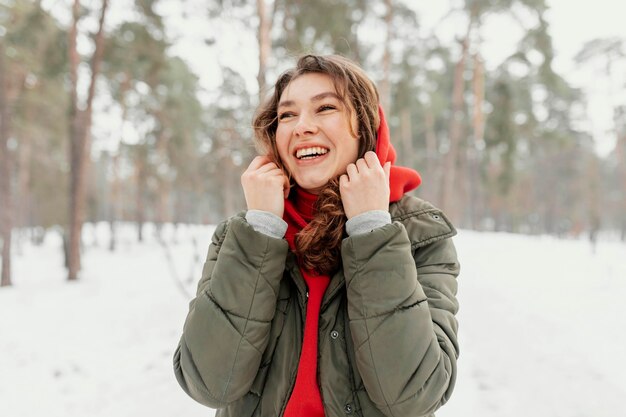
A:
(335, 292)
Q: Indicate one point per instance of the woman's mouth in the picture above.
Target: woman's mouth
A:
(310, 153)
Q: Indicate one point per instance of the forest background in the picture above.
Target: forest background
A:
(103, 117)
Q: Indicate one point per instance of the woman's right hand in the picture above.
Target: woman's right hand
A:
(265, 186)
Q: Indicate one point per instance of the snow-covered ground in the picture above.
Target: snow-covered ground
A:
(542, 327)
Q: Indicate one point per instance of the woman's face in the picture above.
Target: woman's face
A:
(313, 137)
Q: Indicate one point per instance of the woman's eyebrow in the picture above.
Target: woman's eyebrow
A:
(322, 96)
(286, 103)
(317, 97)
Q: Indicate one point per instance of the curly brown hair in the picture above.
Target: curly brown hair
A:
(318, 244)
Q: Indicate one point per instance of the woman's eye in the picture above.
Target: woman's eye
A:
(327, 107)
(284, 115)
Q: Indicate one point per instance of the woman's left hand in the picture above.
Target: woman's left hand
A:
(365, 186)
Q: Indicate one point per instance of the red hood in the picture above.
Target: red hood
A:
(401, 179)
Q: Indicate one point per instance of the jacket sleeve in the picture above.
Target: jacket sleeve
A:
(401, 308)
(227, 327)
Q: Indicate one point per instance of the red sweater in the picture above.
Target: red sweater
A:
(306, 400)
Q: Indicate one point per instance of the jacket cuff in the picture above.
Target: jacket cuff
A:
(267, 223)
(368, 221)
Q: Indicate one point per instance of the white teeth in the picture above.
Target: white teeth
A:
(316, 150)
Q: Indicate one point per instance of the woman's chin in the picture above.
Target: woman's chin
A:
(313, 186)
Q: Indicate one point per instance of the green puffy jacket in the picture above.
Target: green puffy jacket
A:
(387, 328)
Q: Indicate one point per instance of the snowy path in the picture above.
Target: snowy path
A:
(541, 330)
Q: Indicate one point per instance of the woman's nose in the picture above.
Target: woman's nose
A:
(305, 126)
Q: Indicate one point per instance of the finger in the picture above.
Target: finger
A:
(343, 181)
(387, 169)
(372, 160)
(268, 167)
(361, 165)
(258, 162)
(352, 171)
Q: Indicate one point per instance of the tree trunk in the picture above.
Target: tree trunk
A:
(621, 156)
(448, 202)
(406, 136)
(474, 149)
(140, 177)
(478, 87)
(162, 206)
(228, 196)
(115, 197)
(22, 211)
(265, 47)
(73, 262)
(80, 138)
(385, 85)
(115, 182)
(163, 186)
(593, 195)
(6, 204)
(24, 179)
(431, 175)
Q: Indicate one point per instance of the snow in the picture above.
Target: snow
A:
(541, 327)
